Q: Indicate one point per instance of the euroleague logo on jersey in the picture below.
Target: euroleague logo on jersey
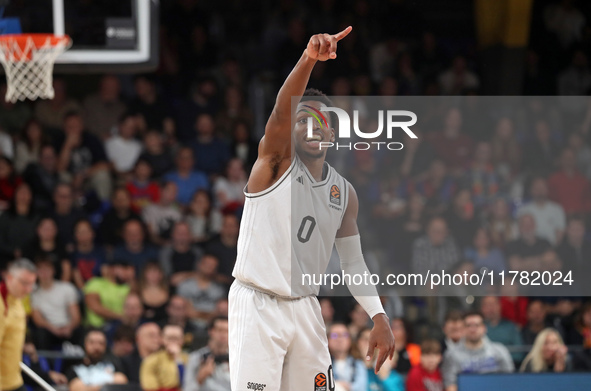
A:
(335, 195)
(320, 382)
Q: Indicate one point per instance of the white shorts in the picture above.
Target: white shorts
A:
(277, 344)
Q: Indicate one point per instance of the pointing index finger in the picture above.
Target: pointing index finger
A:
(343, 33)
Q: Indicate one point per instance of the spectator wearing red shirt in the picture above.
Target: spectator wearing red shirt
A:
(142, 190)
(8, 182)
(426, 376)
(451, 145)
(569, 187)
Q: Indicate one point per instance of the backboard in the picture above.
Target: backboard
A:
(108, 35)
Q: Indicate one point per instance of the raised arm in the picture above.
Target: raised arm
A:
(275, 147)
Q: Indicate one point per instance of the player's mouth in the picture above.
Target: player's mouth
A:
(314, 141)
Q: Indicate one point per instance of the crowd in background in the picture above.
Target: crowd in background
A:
(128, 199)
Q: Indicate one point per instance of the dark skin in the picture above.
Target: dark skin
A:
(280, 144)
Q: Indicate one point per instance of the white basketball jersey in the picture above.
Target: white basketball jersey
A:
(289, 230)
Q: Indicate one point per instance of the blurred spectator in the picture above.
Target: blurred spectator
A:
(501, 225)
(548, 354)
(409, 354)
(438, 188)
(243, 146)
(570, 188)
(18, 282)
(327, 310)
(506, 152)
(402, 232)
(224, 247)
(575, 252)
(453, 330)
(229, 189)
(105, 296)
(83, 155)
(153, 289)
(13, 116)
(56, 313)
(498, 329)
(538, 80)
(187, 180)
(426, 376)
(481, 178)
(204, 220)
(142, 189)
(418, 156)
(18, 223)
(565, 20)
(474, 354)
(539, 155)
(234, 110)
(131, 316)
(177, 313)
(461, 218)
(202, 292)
(104, 108)
(120, 212)
(31, 359)
(46, 244)
(95, 369)
(457, 79)
(52, 112)
(29, 146)
(9, 181)
(359, 320)
(582, 151)
(202, 99)
(6, 147)
(436, 250)
(549, 216)
(451, 145)
(537, 320)
(156, 154)
(387, 378)
(483, 253)
(135, 250)
(150, 109)
(178, 258)
(576, 79)
(207, 368)
(122, 343)
(526, 252)
(161, 216)
(147, 341)
(210, 152)
(349, 373)
(43, 177)
(122, 148)
(580, 334)
(163, 370)
(65, 213)
(87, 258)
(513, 306)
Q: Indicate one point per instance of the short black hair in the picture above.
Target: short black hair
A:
(313, 94)
(473, 313)
(218, 318)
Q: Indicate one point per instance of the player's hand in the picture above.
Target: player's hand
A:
(323, 47)
(382, 339)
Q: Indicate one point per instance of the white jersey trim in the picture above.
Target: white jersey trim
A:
(273, 186)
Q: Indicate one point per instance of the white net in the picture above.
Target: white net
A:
(28, 61)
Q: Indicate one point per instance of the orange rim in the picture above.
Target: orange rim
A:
(23, 41)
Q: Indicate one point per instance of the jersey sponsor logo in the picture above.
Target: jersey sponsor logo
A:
(335, 195)
(320, 382)
(255, 386)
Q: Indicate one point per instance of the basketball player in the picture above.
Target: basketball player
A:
(277, 336)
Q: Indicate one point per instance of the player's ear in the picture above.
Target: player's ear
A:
(332, 137)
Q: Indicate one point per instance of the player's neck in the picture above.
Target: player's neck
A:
(315, 166)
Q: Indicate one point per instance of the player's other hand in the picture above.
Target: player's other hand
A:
(323, 47)
(382, 339)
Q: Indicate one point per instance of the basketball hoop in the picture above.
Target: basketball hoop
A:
(28, 61)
